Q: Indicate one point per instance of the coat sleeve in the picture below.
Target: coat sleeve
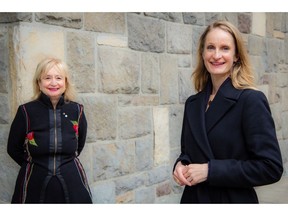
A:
(16, 138)
(82, 130)
(183, 157)
(264, 162)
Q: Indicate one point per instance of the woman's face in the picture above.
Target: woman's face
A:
(219, 52)
(53, 83)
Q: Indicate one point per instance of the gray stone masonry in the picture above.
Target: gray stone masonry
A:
(132, 73)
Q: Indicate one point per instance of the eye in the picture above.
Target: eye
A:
(210, 47)
(46, 78)
(226, 48)
(59, 78)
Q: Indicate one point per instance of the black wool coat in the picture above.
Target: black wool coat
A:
(46, 143)
(236, 137)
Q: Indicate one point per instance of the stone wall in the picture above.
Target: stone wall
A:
(132, 73)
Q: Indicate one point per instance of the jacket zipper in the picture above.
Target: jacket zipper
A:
(55, 143)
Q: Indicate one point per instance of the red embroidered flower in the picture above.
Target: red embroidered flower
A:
(75, 127)
(31, 140)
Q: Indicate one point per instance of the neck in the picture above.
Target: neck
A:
(54, 102)
(217, 81)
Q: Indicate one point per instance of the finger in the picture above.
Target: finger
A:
(184, 180)
(190, 178)
(177, 181)
(186, 175)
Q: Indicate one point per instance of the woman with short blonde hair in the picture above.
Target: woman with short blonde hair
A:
(43, 67)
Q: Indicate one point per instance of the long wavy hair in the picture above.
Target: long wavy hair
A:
(43, 67)
(241, 73)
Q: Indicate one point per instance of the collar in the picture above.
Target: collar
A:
(224, 100)
(46, 100)
(226, 97)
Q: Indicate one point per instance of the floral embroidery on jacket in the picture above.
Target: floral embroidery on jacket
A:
(75, 127)
(31, 140)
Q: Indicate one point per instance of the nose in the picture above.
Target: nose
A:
(217, 54)
(53, 81)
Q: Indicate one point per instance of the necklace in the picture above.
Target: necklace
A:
(209, 102)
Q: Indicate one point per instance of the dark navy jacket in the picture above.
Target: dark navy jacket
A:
(236, 137)
(46, 143)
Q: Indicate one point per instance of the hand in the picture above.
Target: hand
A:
(178, 174)
(196, 173)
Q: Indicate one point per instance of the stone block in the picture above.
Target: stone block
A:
(258, 24)
(103, 192)
(112, 40)
(278, 119)
(282, 79)
(179, 40)
(101, 114)
(275, 54)
(15, 17)
(105, 22)
(169, 93)
(86, 159)
(4, 60)
(113, 160)
(194, 18)
(144, 150)
(284, 152)
(150, 75)
(168, 16)
(8, 168)
(163, 189)
(284, 116)
(45, 42)
(279, 21)
(275, 193)
(125, 198)
(134, 122)
(138, 100)
(231, 17)
(81, 61)
(197, 31)
(70, 20)
(119, 71)
(145, 195)
(278, 34)
(145, 34)
(158, 174)
(175, 126)
(186, 87)
(130, 183)
(286, 49)
(245, 22)
(161, 135)
(211, 17)
(4, 109)
(258, 66)
(284, 101)
(256, 45)
(185, 61)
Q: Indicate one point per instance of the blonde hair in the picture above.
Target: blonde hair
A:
(241, 75)
(43, 67)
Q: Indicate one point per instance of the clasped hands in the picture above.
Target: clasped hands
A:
(191, 174)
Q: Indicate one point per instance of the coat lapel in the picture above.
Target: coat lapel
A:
(224, 100)
(196, 119)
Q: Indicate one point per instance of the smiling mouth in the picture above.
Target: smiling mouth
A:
(53, 89)
(217, 63)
